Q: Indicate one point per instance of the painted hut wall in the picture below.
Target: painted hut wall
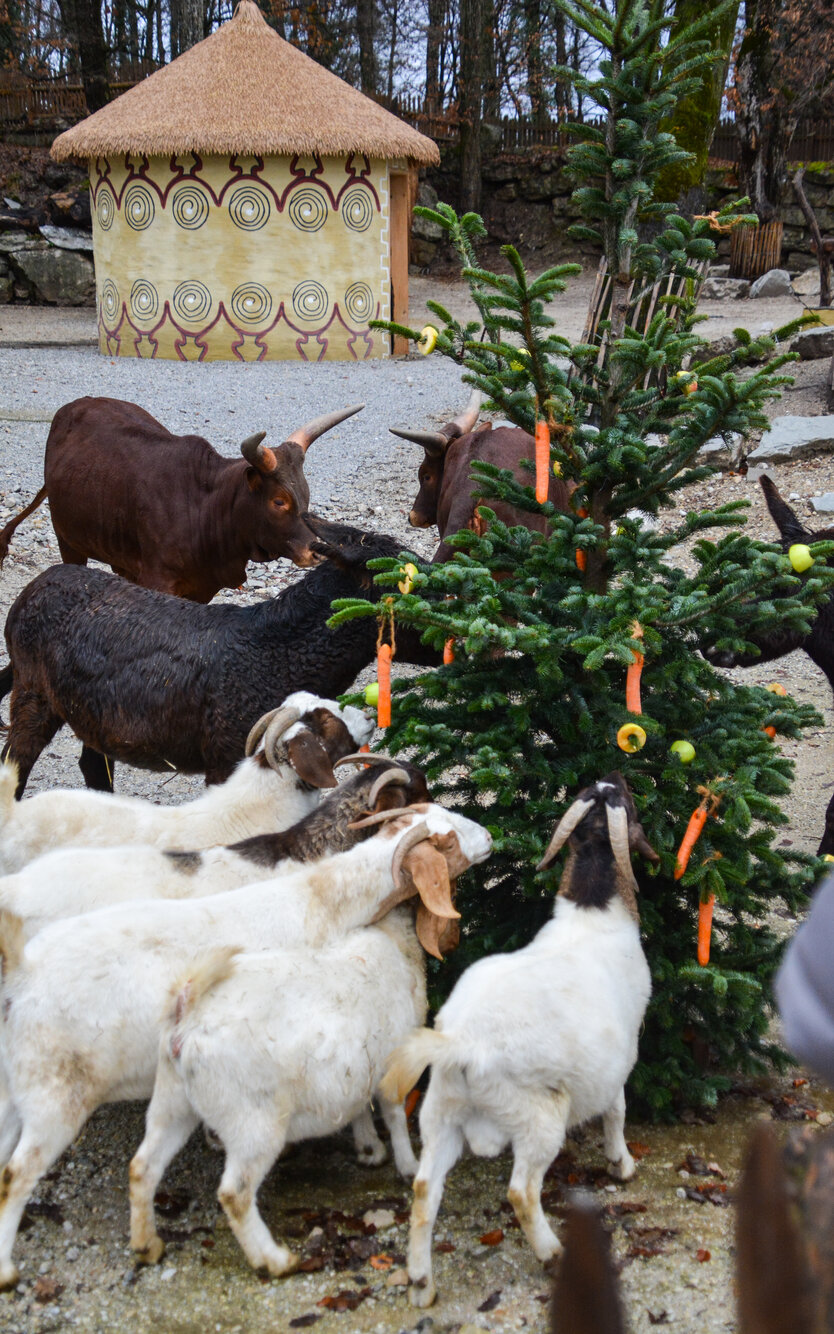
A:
(241, 258)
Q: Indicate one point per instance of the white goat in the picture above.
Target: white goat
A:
(272, 1048)
(84, 999)
(269, 789)
(532, 1043)
(73, 881)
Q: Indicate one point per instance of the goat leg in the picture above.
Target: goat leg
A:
(170, 1120)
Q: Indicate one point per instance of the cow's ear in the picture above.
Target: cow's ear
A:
(254, 480)
(310, 760)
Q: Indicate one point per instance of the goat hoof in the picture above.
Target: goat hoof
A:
(372, 1154)
(152, 1253)
(9, 1276)
(422, 1292)
(624, 1168)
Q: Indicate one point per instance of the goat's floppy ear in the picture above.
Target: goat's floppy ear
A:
(586, 1296)
(772, 1281)
(438, 935)
(310, 760)
(426, 867)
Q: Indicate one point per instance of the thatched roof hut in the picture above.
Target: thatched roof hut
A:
(247, 203)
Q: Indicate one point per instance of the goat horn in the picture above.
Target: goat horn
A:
(381, 817)
(281, 721)
(384, 780)
(408, 841)
(400, 891)
(363, 757)
(467, 419)
(284, 717)
(433, 442)
(573, 816)
(618, 834)
(305, 435)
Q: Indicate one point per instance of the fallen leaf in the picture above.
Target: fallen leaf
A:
(304, 1321)
(491, 1302)
(661, 1318)
(637, 1150)
(618, 1208)
(703, 1255)
(493, 1238)
(445, 1247)
(383, 1262)
(312, 1264)
(47, 1289)
(346, 1300)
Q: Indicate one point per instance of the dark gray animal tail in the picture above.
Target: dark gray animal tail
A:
(8, 532)
(782, 514)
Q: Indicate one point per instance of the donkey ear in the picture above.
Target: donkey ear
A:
(310, 760)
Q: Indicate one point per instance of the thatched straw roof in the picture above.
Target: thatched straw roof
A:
(244, 90)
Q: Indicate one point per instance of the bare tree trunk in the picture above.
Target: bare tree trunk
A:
(470, 100)
(491, 86)
(762, 170)
(392, 49)
(563, 102)
(82, 18)
(533, 43)
(434, 40)
(186, 25)
(823, 258)
(366, 18)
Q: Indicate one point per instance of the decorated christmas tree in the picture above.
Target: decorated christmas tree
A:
(582, 652)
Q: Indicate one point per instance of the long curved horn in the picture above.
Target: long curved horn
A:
(282, 721)
(366, 757)
(381, 817)
(305, 435)
(410, 839)
(276, 722)
(433, 442)
(618, 835)
(468, 418)
(385, 780)
(573, 816)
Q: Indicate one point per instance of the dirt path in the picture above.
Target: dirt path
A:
(676, 1253)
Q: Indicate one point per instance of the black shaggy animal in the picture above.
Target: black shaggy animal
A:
(819, 644)
(162, 683)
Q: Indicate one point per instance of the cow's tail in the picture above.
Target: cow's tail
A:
(7, 533)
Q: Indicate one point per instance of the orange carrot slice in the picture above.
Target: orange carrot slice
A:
(705, 908)
(542, 461)
(383, 676)
(697, 820)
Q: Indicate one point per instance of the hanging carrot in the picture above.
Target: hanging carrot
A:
(581, 558)
(542, 461)
(449, 651)
(705, 908)
(697, 820)
(411, 1102)
(633, 674)
(383, 676)
(771, 732)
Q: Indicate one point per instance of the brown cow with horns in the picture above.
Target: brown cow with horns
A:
(447, 496)
(167, 511)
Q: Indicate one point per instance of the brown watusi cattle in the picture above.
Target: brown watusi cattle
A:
(167, 511)
(448, 494)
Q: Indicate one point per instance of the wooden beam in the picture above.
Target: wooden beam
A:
(400, 229)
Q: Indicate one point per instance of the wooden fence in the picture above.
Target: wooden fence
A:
(42, 104)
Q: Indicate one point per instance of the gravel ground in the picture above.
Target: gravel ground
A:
(77, 1269)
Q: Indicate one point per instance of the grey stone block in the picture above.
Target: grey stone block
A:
(793, 437)
(823, 504)
(776, 282)
(814, 344)
(59, 277)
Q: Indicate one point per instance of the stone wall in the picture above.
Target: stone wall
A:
(527, 202)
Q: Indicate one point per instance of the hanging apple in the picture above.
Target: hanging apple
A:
(409, 575)
(800, 557)
(631, 737)
(684, 750)
(372, 693)
(427, 341)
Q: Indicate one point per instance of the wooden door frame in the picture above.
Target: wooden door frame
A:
(402, 193)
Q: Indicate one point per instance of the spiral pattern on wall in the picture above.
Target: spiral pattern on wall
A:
(308, 209)
(138, 207)
(144, 300)
(191, 300)
(309, 300)
(105, 209)
(110, 300)
(190, 207)
(249, 208)
(357, 209)
(359, 302)
(251, 303)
